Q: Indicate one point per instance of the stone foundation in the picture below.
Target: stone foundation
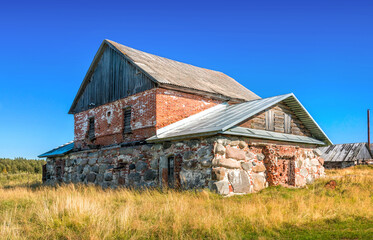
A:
(136, 166)
(243, 166)
(228, 165)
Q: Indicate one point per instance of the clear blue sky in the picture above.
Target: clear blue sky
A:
(320, 50)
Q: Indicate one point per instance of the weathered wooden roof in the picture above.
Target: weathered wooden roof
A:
(345, 152)
(174, 73)
(223, 118)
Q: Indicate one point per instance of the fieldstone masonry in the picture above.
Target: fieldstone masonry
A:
(136, 166)
(228, 165)
(241, 166)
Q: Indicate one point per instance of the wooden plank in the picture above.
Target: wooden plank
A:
(269, 120)
(113, 78)
(287, 123)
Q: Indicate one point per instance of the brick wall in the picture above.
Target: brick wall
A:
(109, 121)
(151, 110)
(173, 106)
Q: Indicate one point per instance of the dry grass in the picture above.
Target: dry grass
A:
(81, 212)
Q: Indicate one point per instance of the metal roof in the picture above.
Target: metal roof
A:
(59, 151)
(224, 117)
(345, 152)
(256, 133)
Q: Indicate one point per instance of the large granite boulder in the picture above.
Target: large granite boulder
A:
(193, 179)
(221, 187)
(235, 153)
(246, 166)
(218, 173)
(220, 149)
(229, 163)
(240, 181)
(259, 168)
(259, 181)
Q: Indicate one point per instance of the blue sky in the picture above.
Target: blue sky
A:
(322, 51)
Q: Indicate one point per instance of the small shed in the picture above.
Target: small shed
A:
(345, 155)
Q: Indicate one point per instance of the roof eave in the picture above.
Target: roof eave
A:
(212, 95)
(155, 139)
(87, 75)
(319, 143)
(329, 142)
(53, 155)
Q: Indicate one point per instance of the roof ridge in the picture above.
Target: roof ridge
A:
(111, 41)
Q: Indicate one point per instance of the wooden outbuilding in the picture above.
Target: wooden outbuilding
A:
(345, 155)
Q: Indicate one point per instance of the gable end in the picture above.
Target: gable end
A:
(110, 77)
(278, 118)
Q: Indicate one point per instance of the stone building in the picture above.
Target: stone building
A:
(146, 121)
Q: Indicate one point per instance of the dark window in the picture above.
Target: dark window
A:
(171, 168)
(127, 120)
(287, 123)
(91, 130)
(270, 120)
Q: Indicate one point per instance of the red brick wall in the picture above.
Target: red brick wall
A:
(109, 129)
(173, 106)
(151, 110)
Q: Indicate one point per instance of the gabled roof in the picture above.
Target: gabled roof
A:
(345, 152)
(59, 151)
(223, 118)
(169, 73)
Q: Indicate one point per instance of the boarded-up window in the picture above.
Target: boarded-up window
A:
(91, 129)
(287, 123)
(270, 120)
(127, 120)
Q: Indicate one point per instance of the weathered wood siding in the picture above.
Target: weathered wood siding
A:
(113, 78)
(278, 118)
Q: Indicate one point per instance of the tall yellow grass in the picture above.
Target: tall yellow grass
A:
(88, 212)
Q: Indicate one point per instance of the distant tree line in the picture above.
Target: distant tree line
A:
(19, 165)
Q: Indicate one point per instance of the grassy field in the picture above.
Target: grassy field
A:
(31, 211)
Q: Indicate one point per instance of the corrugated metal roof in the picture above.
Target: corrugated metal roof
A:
(170, 72)
(256, 133)
(223, 117)
(59, 151)
(345, 152)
